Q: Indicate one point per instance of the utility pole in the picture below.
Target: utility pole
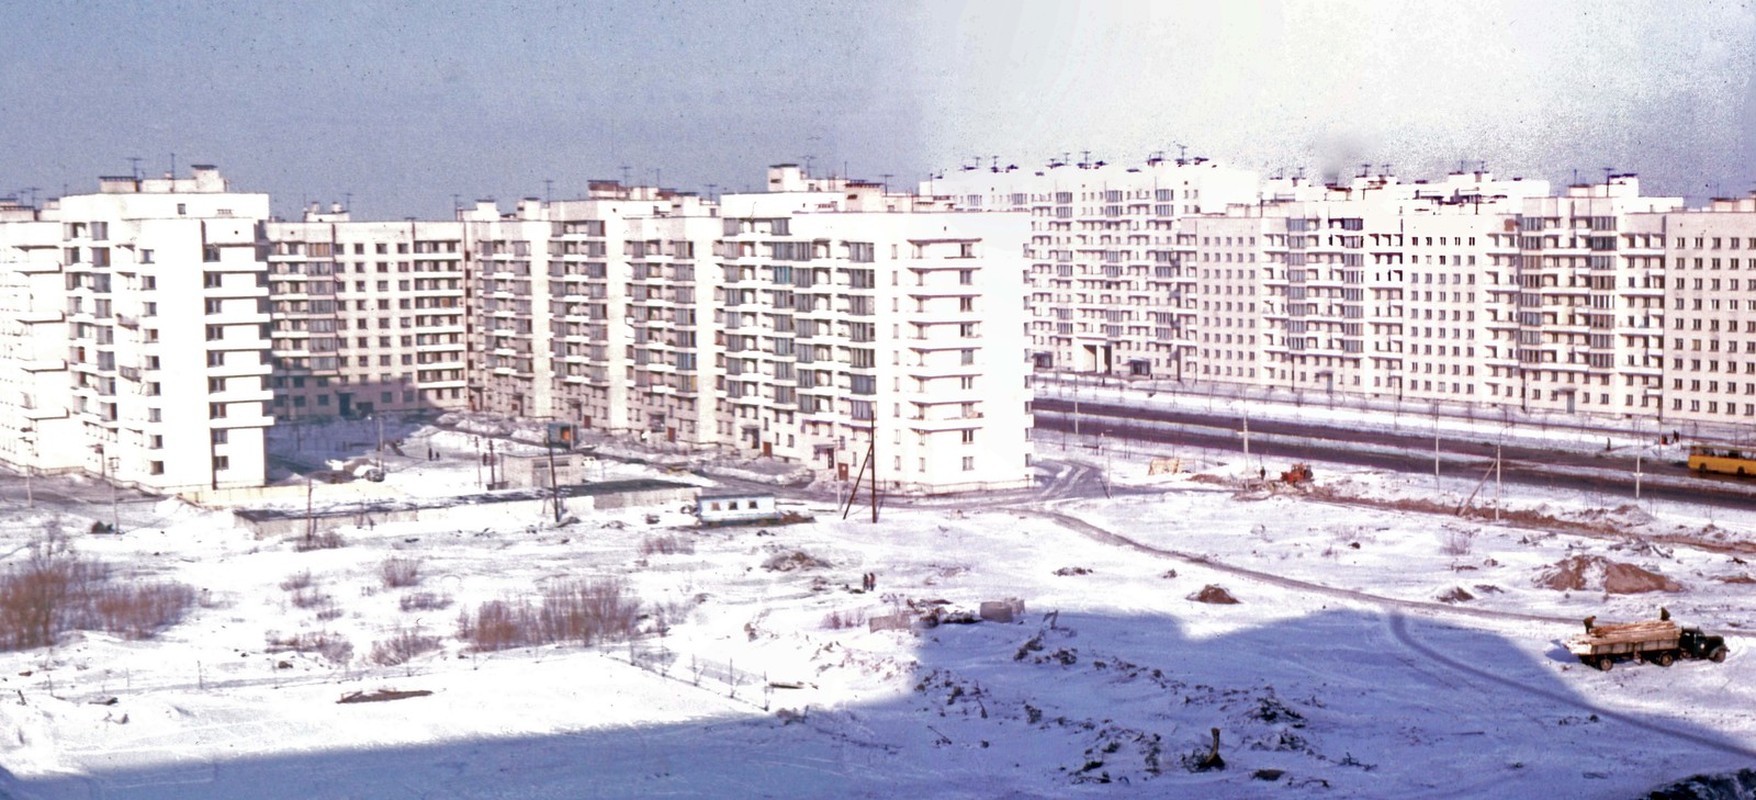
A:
(554, 485)
(1246, 438)
(1497, 484)
(115, 514)
(1435, 452)
(873, 450)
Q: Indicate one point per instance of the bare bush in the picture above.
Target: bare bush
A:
(406, 644)
(309, 597)
(666, 544)
(839, 620)
(333, 648)
(498, 625)
(54, 590)
(327, 540)
(296, 581)
(425, 601)
(576, 611)
(399, 573)
(587, 611)
(140, 611)
(1457, 542)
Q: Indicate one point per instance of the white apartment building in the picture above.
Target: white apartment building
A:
(1705, 333)
(878, 331)
(137, 345)
(772, 324)
(1105, 291)
(368, 316)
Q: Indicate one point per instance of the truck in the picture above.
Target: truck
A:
(1659, 641)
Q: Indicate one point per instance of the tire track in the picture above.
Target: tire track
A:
(1399, 628)
(1438, 609)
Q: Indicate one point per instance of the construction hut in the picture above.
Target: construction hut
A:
(532, 471)
(736, 509)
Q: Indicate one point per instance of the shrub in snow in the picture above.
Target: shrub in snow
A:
(425, 601)
(666, 544)
(585, 612)
(333, 648)
(398, 572)
(328, 540)
(838, 620)
(296, 581)
(403, 646)
(54, 590)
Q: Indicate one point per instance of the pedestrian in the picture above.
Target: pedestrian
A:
(1262, 473)
(1589, 623)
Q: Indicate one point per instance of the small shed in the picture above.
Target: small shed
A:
(736, 509)
(532, 471)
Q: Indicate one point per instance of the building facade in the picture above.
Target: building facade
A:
(137, 346)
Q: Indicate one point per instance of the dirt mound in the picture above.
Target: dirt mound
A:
(1576, 573)
(1214, 594)
(1457, 594)
(795, 560)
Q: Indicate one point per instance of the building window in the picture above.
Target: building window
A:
(216, 410)
(222, 463)
(969, 463)
(221, 436)
(210, 253)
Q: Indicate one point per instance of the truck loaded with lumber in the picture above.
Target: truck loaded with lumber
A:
(1659, 641)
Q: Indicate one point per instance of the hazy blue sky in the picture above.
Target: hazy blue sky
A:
(406, 104)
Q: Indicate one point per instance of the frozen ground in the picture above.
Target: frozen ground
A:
(1339, 667)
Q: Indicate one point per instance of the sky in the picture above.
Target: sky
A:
(396, 108)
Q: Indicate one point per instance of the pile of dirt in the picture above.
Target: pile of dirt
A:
(1577, 573)
(1214, 594)
(1456, 594)
(797, 559)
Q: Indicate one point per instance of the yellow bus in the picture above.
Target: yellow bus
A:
(1728, 459)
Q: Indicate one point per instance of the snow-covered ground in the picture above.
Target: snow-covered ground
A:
(1338, 673)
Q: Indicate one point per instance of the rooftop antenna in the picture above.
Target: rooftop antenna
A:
(1608, 174)
(134, 167)
(1084, 159)
(1365, 170)
(173, 165)
(656, 177)
(456, 202)
(548, 190)
(886, 177)
(1461, 166)
(1482, 166)
(1575, 176)
(33, 194)
(710, 188)
(808, 160)
(1182, 153)
(347, 202)
(625, 169)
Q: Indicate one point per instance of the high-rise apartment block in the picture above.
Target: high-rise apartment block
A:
(136, 333)
(368, 316)
(1471, 289)
(820, 322)
(151, 330)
